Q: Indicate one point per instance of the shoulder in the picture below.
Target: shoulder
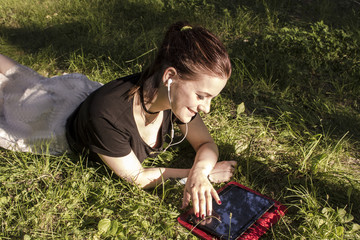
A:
(114, 93)
(110, 100)
(121, 85)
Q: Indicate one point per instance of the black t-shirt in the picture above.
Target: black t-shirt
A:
(104, 123)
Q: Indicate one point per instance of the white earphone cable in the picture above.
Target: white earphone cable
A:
(172, 124)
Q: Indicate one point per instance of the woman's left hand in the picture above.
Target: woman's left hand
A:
(199, 189)
(223, 171)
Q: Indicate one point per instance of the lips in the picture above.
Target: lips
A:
(192, 112)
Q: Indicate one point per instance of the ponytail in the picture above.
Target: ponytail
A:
(190, 50)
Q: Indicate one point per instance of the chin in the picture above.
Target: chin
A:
(186, 119)
(183, 119)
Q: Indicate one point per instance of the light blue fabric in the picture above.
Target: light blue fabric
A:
(34, 109)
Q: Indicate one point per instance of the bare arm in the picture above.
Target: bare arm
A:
(198, 187)
(6, 63)
(130, 169)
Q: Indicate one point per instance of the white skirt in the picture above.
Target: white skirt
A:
(34, 109)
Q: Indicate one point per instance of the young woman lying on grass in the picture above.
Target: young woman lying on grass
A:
(128, 119)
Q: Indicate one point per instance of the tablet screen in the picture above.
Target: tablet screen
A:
(240, 208)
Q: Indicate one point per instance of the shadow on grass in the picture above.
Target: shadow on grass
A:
(112, 30)
(339, 14)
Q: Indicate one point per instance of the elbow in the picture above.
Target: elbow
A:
(145, 186)
(136, 180)
(141, 184)
(142, 181)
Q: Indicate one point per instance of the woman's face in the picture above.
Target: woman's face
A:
(191, 96)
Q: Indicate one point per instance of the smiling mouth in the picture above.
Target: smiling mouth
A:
(193, 112)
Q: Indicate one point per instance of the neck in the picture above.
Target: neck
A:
(146, 108)
(160, 101)
(146, 112)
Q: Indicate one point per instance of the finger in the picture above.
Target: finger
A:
(203, 222)
(186, 199)
(208, 203)
(209, 220)
(216, 197)
(195, 201)
(202, 203)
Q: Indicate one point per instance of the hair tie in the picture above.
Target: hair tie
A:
(184, 28)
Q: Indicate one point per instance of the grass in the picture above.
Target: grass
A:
(290, 114)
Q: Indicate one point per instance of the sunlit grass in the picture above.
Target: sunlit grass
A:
(289, 115)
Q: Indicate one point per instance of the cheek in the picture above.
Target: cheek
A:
(184, 98)
(180, 96)
(184, 101)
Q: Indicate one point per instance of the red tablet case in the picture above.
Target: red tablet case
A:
(253, 232)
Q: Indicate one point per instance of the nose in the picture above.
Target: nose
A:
(205, 107)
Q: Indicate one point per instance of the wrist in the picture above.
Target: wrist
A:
(201, 172)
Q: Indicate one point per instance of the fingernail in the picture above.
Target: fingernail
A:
(219, 202)
(197, 215)
(202, 216)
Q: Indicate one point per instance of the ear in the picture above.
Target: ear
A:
(169, 73)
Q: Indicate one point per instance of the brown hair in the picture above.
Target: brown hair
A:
(190, 50)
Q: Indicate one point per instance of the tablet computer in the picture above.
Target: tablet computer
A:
(243, 213)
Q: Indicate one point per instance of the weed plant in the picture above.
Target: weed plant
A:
(289, 115)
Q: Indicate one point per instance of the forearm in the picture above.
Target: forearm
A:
(151, 177)
(130, 169)
(206, 158)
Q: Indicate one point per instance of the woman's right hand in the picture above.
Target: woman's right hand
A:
(199, 190)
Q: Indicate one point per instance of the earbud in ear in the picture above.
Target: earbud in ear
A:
(169, 83)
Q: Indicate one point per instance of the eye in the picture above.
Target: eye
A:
(200, 97)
